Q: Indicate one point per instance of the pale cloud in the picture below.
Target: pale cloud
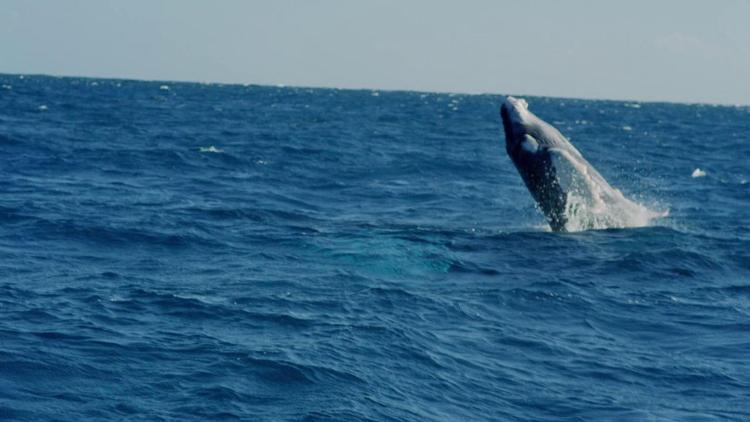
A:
(690, 45)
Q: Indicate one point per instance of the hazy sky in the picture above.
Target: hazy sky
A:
(630, 49)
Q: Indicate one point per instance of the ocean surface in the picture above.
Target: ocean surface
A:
(184, 251)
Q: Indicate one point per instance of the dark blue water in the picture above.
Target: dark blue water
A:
(189, 251)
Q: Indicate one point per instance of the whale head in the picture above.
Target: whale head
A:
(527, 133)
(517, 108)
(516, 119)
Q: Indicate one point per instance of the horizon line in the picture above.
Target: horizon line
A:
(351, 88)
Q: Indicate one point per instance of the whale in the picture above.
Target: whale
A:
(567, 189)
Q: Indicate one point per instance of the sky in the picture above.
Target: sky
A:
(667, 50)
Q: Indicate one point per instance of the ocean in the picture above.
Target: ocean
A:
(185, 251)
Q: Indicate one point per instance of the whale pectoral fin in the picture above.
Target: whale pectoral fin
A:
(530, 144)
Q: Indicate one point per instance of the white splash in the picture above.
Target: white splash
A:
(212, 149)
(592, 203)
(164, 87)
(698, 173)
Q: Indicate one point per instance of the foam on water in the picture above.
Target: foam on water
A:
(211, 149)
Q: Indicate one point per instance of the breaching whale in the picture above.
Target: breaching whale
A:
(568, 190)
